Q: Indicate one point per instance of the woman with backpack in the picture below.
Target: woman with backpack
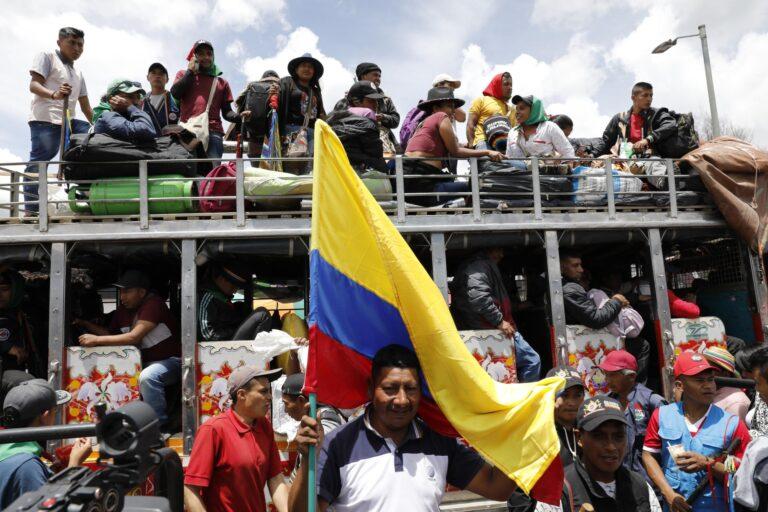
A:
(300, 104)
(436, 139)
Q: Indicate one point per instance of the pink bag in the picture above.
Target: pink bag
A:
(218, 188)
(628, 324)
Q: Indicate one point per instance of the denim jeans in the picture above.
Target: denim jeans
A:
(215, 146)
(527, 360)
(45, 138)
(154, 379)
(450, 187)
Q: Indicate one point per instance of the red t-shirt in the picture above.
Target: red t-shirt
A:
(194, 101)
(161, 342)
(680, 308)
(636, 123)
(232, 462)
(653, 440)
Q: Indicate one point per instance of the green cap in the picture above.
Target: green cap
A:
(126, 86)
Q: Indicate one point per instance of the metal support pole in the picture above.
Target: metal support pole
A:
(57, 321)
(609, 188)
(665, 344)
(439, 264)
(474, 181)
(672, 187)
(42, 196)
(537, 212)
(710, 82)
(557, 305)
(240, 192)
(14, 193)
(759, 292)
(188, 341)
(400, 186)
(143, 196)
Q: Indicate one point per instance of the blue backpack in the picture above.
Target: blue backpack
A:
(410, 124)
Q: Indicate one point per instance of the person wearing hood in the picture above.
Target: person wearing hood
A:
(13, 329)
(535, 134)
(119, 114)
(193, 87)
(300, 97)
(493, 102)
(32, 403)
(436, 140)
(356, 126)
(386, 114)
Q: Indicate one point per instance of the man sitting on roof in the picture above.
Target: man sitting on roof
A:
(642, 126)
(120, 116)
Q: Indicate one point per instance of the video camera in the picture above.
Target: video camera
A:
(131, 437)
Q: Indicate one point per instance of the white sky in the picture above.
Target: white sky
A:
(581, 57)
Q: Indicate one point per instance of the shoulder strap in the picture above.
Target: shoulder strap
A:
(569, 492)
(210, 95)
(623, 123)
(309, 108)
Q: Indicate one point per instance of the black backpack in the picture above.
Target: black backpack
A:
(257, 101)
(685, 140)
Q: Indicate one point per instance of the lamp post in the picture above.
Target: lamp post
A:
(666, 45)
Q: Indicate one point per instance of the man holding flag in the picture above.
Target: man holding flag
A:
(369, 292)
(388, 459)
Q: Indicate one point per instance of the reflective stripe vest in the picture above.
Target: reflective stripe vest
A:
(713, 437)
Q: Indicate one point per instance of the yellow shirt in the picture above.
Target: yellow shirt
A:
(485, 107)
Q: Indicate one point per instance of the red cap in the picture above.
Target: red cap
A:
(618, 360)
(691, 363)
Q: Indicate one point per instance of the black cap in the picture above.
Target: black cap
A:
(364, 89)
(570, 374)
(157, 66)
(29, 400)
(134, 279)
(596, 411)
(438, 95)
(234, 274)
(270, 73)
(293, 384)
(528, 100)
(202, 42)
(366, 67)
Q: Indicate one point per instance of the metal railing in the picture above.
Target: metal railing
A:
(531, 189)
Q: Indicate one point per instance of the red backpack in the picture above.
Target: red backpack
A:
(217, 188)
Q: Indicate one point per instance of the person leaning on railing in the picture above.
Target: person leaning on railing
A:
(120, 116)
(535, 134)
(435, 138)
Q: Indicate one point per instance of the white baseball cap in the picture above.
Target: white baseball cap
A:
(445, 77)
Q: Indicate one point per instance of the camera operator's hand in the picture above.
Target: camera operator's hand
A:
(81, 450)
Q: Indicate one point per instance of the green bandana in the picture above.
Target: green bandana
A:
(537, 113)
(102, 107)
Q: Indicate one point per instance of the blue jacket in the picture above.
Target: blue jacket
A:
(136, 126)
(19, 474)
(713, 437)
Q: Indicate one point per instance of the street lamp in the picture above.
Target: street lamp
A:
(666, 45)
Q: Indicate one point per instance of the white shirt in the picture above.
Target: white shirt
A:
(50, 66)
(549, 140)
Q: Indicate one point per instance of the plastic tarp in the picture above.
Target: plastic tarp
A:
(736, 175)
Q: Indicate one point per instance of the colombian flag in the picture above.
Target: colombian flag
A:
(368, 290)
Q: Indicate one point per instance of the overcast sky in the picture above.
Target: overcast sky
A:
(580, 56)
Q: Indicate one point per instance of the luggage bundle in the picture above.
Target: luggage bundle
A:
(591, 188)
(113, 165)
(515, 186)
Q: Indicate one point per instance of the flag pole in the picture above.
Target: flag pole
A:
(312, 481)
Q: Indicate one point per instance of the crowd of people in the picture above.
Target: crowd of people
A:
(626, 450)
(500, 126)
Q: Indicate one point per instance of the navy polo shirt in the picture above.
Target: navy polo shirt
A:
(359, 470)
